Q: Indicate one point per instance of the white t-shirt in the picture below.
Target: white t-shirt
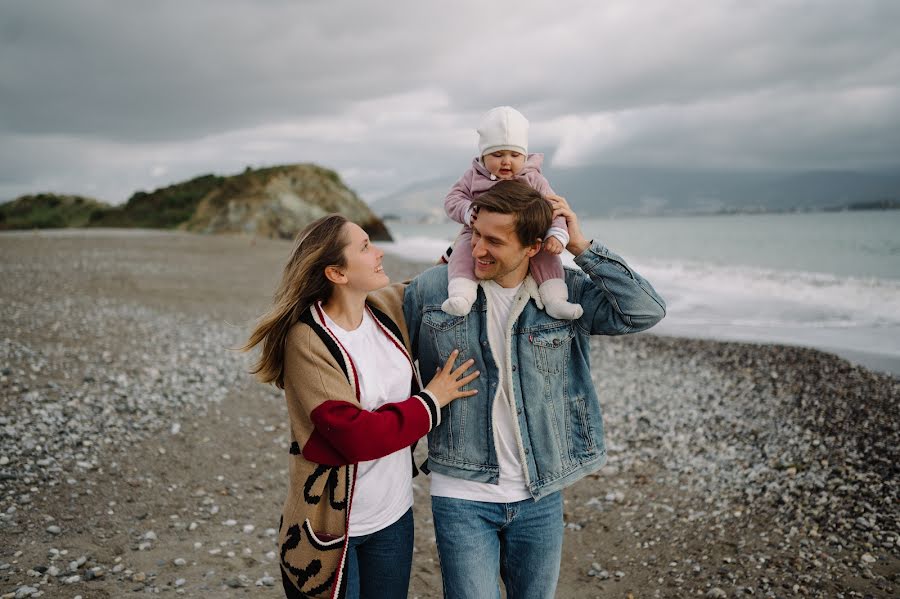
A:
(512, 486)
(384, 486)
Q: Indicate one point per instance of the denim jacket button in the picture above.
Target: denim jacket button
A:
(514, 368)
(527, 451)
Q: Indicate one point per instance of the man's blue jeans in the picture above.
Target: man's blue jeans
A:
(378, 565)
(480, 543)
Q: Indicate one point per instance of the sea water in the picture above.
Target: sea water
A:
(825, 280)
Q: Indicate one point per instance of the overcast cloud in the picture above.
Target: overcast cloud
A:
(103, 98)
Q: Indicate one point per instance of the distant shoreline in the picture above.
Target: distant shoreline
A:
(860, 207)
(877, 362)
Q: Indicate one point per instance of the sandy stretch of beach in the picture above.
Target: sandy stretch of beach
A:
(136, 454)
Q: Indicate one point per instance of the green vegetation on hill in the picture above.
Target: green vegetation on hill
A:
(50, 211)
(275, 202)
(164, 208)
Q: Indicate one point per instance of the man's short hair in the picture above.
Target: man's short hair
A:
(531, 212)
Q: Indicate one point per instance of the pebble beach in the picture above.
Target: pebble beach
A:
(137, 456)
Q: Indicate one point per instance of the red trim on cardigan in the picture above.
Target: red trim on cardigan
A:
(391, 336)
(350, 363)
(342, 569)
(399, 344)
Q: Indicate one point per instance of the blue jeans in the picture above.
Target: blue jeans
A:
(479, 543)
(378, 565)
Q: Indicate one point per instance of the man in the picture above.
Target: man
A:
(499, 459)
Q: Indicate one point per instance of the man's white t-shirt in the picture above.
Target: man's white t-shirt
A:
(384, 486)
(512, 485)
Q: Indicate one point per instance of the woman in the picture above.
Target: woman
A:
(336, 342)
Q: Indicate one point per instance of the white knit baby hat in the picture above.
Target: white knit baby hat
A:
(503, 128)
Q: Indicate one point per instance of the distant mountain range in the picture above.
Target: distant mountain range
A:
(606, 191)
(270, 202)
(279, 201)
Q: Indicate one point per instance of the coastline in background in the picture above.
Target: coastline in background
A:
(825, 280)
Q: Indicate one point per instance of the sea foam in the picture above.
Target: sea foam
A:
(753, 304)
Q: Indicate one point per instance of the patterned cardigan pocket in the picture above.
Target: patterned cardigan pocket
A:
(314, 527)
(311, 559)
(323, 541)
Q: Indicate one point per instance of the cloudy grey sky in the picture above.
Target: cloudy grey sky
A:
(103, 98)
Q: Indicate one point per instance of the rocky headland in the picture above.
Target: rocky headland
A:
(274, 202)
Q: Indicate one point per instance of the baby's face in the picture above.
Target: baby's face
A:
(504, 164)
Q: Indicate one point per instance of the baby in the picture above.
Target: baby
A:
(503, 154)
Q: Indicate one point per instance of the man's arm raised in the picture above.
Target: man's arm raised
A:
(617, 300)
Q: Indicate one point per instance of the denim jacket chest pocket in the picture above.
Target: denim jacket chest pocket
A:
(551, 347)
(457, 440)
(447, 333)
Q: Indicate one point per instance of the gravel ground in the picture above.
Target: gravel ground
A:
(136, 456)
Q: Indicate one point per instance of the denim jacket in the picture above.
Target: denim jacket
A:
(558, 418)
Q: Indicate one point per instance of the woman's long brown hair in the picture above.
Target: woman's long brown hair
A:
(319, 245)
